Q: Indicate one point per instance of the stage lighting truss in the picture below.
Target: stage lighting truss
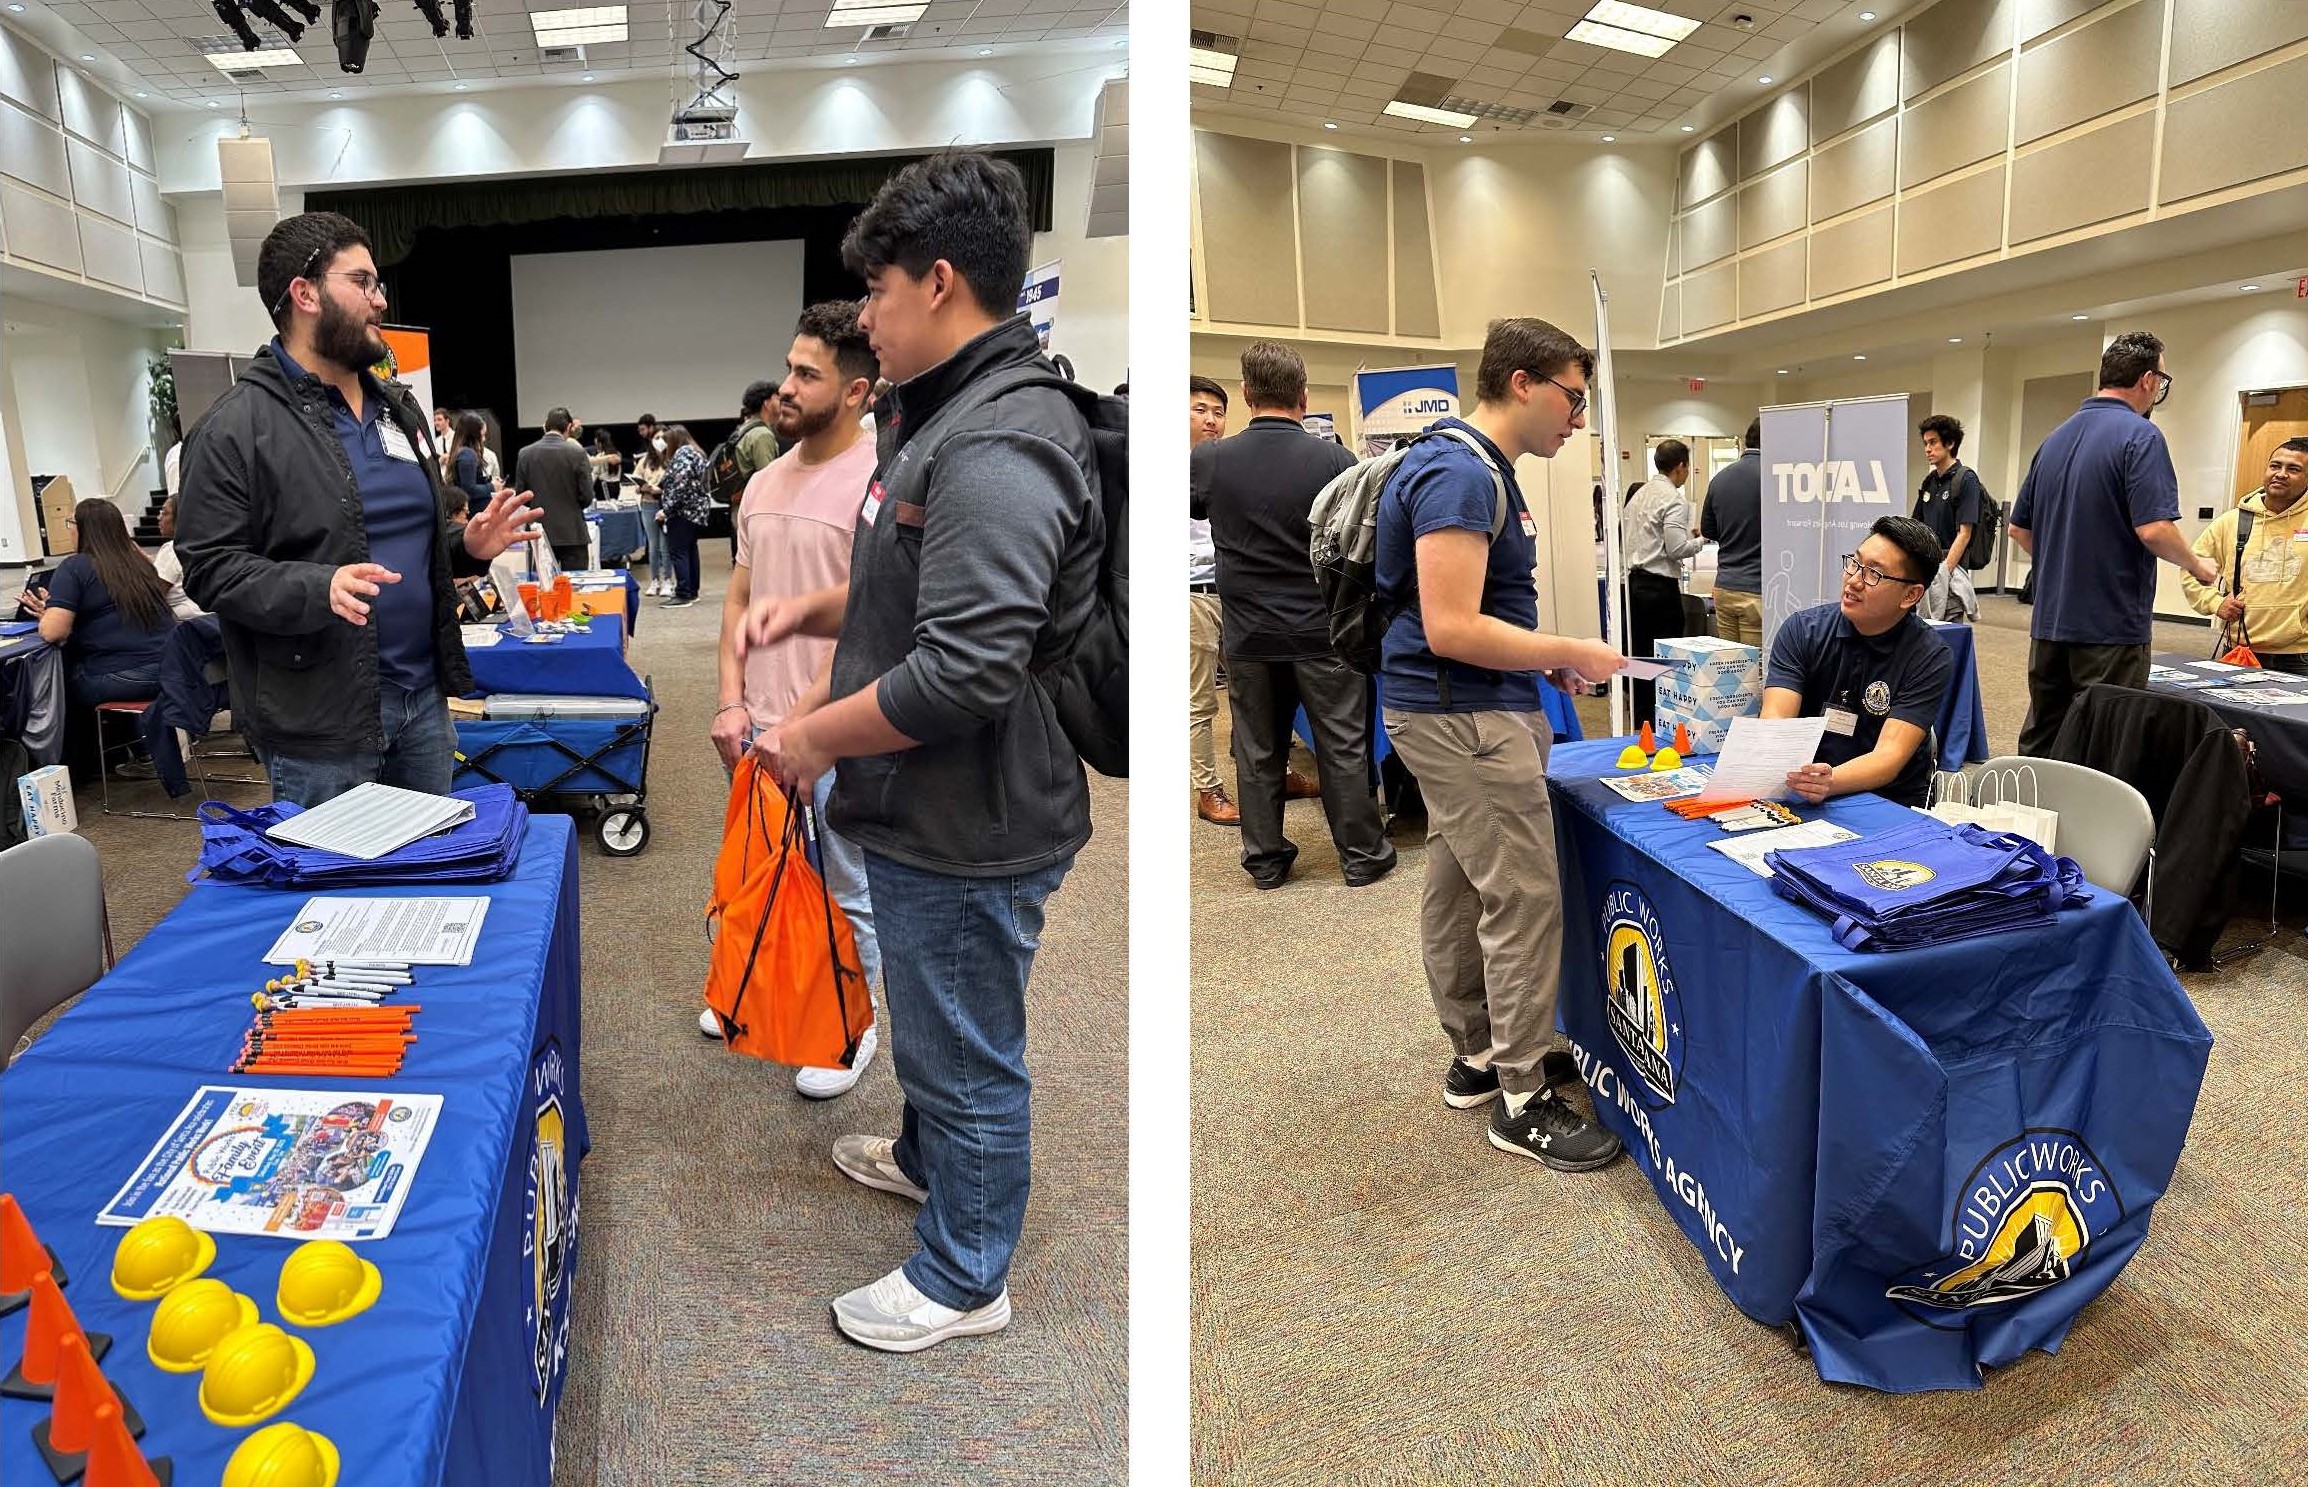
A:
(714, 50)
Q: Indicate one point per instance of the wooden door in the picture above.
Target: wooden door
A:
(2270, 418)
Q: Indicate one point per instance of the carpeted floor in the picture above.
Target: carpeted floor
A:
(1380, 1297)
(716, 1230)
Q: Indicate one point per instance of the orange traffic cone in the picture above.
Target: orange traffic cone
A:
(80, 1388)
(1682, 739)
(51, 1321)
(113, 1460)
(1646, 740)
(21, 1256)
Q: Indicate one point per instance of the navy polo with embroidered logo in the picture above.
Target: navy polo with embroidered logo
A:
(1902, 673)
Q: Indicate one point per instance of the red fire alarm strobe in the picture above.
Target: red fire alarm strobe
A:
(1696, 384)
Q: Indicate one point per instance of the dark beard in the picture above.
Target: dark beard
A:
(796, 425)
(349, 341)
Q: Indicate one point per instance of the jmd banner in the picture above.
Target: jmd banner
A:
(1829, 470)
(1393, 404)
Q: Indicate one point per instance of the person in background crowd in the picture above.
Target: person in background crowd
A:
(1206, 420)
(1732, 519)
(1461, 663)
(608, 467)
(795, 528)
(172, 468)
(2100, 504)
(170, 567)
(649, 486)
(2268, 608)
(311, 527)
(107, 607)
(468, 472)
(492, 437)
(974, 572)
(444, 425)
(556, 473)
(1871, 667)
(1949, 502)
(1655, 537)
(687, 499)
(1257, 489)
(757, 442)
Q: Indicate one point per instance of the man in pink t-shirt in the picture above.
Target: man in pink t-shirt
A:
(795, 525)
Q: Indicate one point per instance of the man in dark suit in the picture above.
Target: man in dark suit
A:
(559, 481)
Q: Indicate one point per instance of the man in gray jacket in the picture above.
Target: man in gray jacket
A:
(555, 471)
(972, 574)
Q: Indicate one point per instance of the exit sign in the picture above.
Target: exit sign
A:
(1699, 384)
(2300, 290)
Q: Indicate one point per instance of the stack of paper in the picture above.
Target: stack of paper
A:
(370, 820)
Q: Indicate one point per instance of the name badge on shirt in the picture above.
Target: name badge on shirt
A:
(872, 507)
(1530, 526)
(1841, 721)
(396, 443)
(2301, 535)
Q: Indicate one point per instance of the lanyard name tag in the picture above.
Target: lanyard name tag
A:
(1841, 721)
(1530, 525)
(872, 507)
(396, 443)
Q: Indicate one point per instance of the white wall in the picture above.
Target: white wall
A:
(221, 314)
(1093, 324)
(80, 401)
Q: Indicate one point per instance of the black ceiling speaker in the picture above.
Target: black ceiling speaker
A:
(354, 24)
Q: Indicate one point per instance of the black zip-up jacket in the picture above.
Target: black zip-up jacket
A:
(978, 568)
(267, 514)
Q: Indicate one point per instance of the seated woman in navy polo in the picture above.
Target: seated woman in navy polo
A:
(107, 606)
(1871, 667)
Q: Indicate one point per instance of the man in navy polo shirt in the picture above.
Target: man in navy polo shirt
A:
(1870, 666)
(1461, 663)
(2100, 504)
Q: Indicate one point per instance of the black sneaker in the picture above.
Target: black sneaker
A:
(1560, 1070)
(1550, 1131)
(1466, 1086)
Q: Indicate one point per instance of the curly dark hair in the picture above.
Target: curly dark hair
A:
(297, 248)
(834, 322)
(1950, 430)
(963, 206)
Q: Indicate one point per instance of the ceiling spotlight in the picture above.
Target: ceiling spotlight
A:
(1690, 128)
(2079, 317)
(1466, 139)
(1783, 371)
(140, 95)
(1955, 340)
(588, 77)
(210, 102)
(1327, 124)
(1765, 80)
(1859, 358)
(1610, 139)
(1867, 15)
(985, 51)
(336, 95)
(87, 56)
(2250, 289)
(15, 9)
(462, 86)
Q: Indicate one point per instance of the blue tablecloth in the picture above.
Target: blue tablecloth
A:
(582, 663)
(622, 534)
(440, 1381)
(1848, 1136)
(1962, 720)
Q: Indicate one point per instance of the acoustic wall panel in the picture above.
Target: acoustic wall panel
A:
(137, 135)
(109, 254)
(2222, 136)
(1853, 172)
(2103, 67)
(1771, 280)
(90, 112)
(1958, 220)
(40, 229)
(2079, 181)
(1856, 89)
(163, 279)
(100, 183)
(2208, 35)
(1774, 206)
(1417, 310)
(1710, 233)
(1250, 251)
(1950, 39)
(152, 213)
(1776, 132)
(28, 75)
(1852, 254)
(1958, 128)
(1671, 313)
(1342, 211)
(1710, 299)
(2038, 16)
(1710, 167)
(32, 151)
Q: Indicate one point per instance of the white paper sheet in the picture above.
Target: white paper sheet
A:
(404, 931)
(372, 820)
(1757, 755)
(481, 637)
(1748, 850)
(1648, 668)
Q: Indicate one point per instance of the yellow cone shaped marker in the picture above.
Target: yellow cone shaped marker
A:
(283, 1455)
(323, 1281)
(1667, 760)
(253, 1374)
(159, 1255)
(191, 1320)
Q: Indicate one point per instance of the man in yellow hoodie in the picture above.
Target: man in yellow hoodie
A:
(2269, 607)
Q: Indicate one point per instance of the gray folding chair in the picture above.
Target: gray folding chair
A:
(2105, 824)
(55, 941)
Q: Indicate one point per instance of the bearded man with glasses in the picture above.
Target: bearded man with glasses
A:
(2100, 504)
(1871, 667)
(311, 525)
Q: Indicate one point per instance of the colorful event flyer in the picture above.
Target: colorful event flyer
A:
(299, 1164)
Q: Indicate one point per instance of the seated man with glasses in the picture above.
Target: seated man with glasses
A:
(1871, 667)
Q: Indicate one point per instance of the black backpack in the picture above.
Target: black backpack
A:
(1980, 551)
(725, 473)
(1089, 685)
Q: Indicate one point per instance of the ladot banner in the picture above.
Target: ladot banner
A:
(1039, 301)
(1829, 470)
(1393, 404)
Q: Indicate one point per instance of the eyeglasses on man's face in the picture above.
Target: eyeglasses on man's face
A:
(1577, 396)
(1868, 574)
(2163, 387)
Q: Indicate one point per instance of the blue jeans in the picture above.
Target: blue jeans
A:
(420, 754)
(681, 536)
(660, 557)
(957, 954)
(88, 688)
(841, 863)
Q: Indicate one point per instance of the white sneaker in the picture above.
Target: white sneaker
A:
(824, 1084)
(873, 1160)
(709, 1023)
(894, 1317)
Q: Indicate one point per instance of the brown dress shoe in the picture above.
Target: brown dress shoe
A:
(1214, 807)
(1296, 786)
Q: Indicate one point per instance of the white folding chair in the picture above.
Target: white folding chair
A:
(55, 940)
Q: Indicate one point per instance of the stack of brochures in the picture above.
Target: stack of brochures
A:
(1928, 884)
(373, 834)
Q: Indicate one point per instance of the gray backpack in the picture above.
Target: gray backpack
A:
(1344, 547)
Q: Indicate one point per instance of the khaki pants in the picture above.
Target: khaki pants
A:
(1739, 617)
(1202, 692)
(1491, 920)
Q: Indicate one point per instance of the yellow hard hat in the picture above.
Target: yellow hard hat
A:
(159, 1255)
(1633, 757)
(254, 1373)
(1667, 759)
(192, 1319)
(283, 1455)
(323, 1281)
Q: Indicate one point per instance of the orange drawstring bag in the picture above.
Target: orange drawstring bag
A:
(2241, 653)
(784, 977)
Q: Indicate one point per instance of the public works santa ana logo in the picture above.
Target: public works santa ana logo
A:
(1639, 998)
(2024, 1221)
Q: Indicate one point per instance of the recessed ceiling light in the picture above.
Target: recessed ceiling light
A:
(588, 77)
(336, 95)
(1327, 124)
(1955, 340)
(1210, 67)
(2079, 317)
(582, 26)
(1466, 139)
(873, 13)
(1690, 128)
(1859, 358)
(461, 87)
(1783, 371)
(279, 56)
(88, 56)
(2250, 288)
(1631, 28)
(1425, 115)
(1867, 15)
(16, 9)
(140, 95)
(1765, 80)
(985, 51)
(210, 102)
(1610, 139)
